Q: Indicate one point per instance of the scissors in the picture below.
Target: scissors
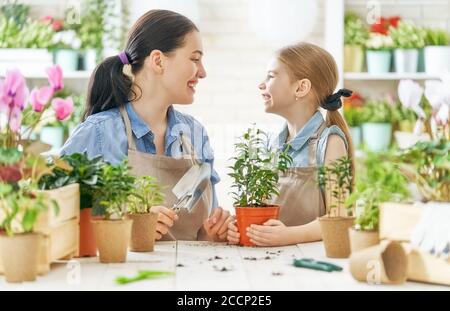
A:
(310, 263)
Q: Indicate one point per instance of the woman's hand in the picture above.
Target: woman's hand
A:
(216, 226)
(272, 233)
(233, 235)
(166, 219)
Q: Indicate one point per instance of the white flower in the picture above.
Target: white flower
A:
(67, 37)
(438, 94)
(379, 41)
(442, 115)
(410, 93)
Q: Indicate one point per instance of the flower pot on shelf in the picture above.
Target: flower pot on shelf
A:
(90, 60)
(143, 232)
(377, 136)
(356, 134)
(246, 216)
(353, 58)
(112, 238)
(19, 256)
(335, 235)
(362, 239)
(88, 246)
(67, 59)
(53, 136)
(437, 59)
(378, 61)
(406, 60)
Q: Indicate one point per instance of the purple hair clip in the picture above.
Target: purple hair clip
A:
(124, 58)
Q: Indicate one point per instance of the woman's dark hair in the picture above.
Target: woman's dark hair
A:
(160, 30)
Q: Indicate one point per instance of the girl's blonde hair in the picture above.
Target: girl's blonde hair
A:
(308, 61)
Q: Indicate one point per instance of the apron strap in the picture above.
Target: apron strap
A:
(313, 141)
(126, 120)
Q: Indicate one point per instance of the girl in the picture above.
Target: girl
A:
(130, 113)
(300, 79)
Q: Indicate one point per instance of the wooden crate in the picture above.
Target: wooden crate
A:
(60, 231)
(397, 221)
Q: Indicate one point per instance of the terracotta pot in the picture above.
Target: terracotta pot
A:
(335, 235)
(246, 216)
(361, 239)
(20, 256)
(88, 246)
(112, 237)
(143, 232)
(383, 263)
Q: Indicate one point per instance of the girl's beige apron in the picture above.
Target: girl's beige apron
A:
(300, 197)
(168, 172)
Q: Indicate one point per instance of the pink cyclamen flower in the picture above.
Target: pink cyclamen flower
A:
(40, 97)
(55, 77)
(63, 107)
(13, 91)
(15, 120)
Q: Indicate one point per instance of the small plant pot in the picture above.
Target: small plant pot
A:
(362, 239)
(67, 59)
(383, 263)
(378, 61)
(90, 60)
(143, 232)
(406, 60)
(353, 58)
(246, 216)
(20, 255)
(335, 235)
(112, 237)
(356, 134)
(437, 59)
(88, 245)
(377, 136)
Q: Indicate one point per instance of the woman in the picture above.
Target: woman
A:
(300, 79)
(130, 113)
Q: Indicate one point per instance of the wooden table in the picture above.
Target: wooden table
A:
(208, 266)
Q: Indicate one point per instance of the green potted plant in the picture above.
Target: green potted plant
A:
(353, 117)
(86, 172)
(379, 53)
(111, 196)
(19, 211)
(255, 175)
(437, 51)
(355, 36)
(336, 181)
(378, 181)
(408, 39)
(377, 126)
(147, 193)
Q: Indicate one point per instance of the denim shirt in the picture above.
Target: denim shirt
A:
(104, 134)
(299, 150)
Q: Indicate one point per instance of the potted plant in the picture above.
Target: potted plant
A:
(19, 211)
(336, 181)
(408, 39)
(378, 181)
(86, 172)
(355, 36)
(111, 196)
(379, 53)
(255, 176)
(147, 193)
(377, 127)
(437, 51)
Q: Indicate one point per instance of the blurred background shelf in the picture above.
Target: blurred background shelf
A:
(365, 76)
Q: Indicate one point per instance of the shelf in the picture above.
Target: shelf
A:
(82, 75)
(365, 76)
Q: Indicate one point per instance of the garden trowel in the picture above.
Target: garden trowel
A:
(190, 187)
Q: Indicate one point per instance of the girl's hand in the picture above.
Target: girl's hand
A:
(216, 226)
(166, 218)
(233, 235)
(272, 233)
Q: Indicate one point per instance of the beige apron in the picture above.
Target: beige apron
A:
(300, 198)
(168, 172)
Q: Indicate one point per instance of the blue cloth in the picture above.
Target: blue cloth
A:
(104, 134)
(299, 150)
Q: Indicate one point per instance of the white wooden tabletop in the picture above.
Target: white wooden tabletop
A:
(208, 266)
